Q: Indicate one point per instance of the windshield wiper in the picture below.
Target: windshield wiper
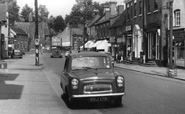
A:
(89, 68)
(77, 69)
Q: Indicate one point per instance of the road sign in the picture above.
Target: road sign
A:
(36, 41)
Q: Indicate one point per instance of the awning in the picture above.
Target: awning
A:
(103, 45)
(97, 43)
(89, 44)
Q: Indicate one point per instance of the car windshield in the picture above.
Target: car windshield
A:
(90, 63)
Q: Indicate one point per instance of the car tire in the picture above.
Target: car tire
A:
(70, 101)
(118, 101)
(51, 56)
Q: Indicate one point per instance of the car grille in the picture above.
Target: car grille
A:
(97, 88)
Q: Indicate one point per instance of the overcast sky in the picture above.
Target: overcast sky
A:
(56, 7)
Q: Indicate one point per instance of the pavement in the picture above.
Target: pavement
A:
(27, 88)
(154, 70)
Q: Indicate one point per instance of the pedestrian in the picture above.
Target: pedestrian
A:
(128, 51)
(119, 57)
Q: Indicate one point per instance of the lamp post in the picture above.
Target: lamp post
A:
(171, 70)
(36, 35)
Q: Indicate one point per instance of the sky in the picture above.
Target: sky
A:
(57, 7)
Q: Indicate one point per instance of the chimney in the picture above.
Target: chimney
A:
(107, 15)
(106, 7)
(120, 9)
(113, 8)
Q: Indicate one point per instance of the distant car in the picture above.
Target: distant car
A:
(90, 76)
(56, 52)
(17, 54)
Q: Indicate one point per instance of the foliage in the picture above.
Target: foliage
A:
(43, 13)
(82, 11)
(56, 24)
(25, 13)
(13, 10)
(59, 24)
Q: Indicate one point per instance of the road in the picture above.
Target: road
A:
(145, 94)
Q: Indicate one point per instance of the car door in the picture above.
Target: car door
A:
(64, 75)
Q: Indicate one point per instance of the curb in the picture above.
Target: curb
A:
(151, 73)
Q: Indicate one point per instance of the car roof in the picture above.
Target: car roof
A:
(90, 53)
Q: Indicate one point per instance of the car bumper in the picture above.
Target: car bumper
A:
(98, 95)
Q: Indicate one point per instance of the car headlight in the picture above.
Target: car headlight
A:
(74, 83)
(120, 81)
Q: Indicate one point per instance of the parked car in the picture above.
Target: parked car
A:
(90, 76)
(17, 54)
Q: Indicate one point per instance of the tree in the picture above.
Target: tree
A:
(82, 11)
(50, 23)
(59, 24)
(43, 13)
(13, 10)
(25, 14)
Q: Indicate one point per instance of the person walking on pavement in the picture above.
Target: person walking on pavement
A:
(119, 57)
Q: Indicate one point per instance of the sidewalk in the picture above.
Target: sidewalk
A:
(26, 89)
(160, 71)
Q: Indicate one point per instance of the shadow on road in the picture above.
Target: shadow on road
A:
(9, 91)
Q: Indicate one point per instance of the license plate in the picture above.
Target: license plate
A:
(98, 99)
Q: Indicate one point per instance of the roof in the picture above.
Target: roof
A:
(119, 21)
(88, 53)
(2, 12)
(23, 25)
(94, 20)
(19, 31)
(77, 31)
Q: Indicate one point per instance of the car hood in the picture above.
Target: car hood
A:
(94, 74)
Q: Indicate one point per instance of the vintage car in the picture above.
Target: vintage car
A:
(90, 76)
(56, 52)
(17, 54)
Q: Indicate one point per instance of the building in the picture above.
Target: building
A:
(19, 39)
(146, 30)
(179, 28)
(3, 32)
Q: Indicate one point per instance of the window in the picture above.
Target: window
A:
(135, 9)
(128, 16)
(177, 17)
(155, 4)
(148, 6)
(140, 7)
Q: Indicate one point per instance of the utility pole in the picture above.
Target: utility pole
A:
(36, 35)
(171, 33)
(171, 69)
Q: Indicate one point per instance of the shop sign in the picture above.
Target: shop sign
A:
(112, 39)
(128, 28)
